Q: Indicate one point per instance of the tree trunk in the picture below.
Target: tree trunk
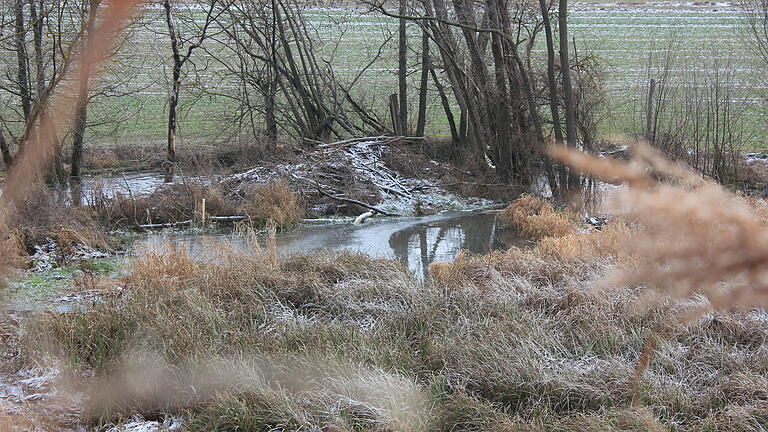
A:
(570, 110)
(500, 101)
(554, 104)
(22, 59)
(394, 114)
(270, 110)
(81, 118)
(38, 42)
(402, 70)
(270, 93)
(7, 157)
(482, 124)
(649, 132)
(56, 176)
(455, 137)
(170, 160)
(425, 67)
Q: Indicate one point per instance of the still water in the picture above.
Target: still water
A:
(416, 241)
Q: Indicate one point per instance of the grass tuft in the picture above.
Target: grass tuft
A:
(274, 203)
(536, 218)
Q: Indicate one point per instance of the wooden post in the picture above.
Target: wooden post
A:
(649, 112)
(202, 220)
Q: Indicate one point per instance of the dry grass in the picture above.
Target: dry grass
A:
(174, 203)
(694, 241)
(274, 203)
(515, 340)
(607, 242)
(536, 218)
(693, 237)
(13, 255)
(42, 214)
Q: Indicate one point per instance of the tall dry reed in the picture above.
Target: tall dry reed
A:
(692, 240)
(38, 143)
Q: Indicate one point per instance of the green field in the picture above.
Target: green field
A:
(621, 36)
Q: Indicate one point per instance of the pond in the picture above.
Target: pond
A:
(415, 241)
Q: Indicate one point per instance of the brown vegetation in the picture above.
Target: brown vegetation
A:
(41, 214)
(513, 340)
(172, 203)
(273, 203)
(536, 218)
(692, 236)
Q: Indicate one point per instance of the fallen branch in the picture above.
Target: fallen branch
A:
(227, 218)
(360, 203)
(376, 140)
(166, 225)
(360, 219)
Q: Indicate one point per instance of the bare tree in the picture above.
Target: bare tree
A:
(180, 58)
(426, 67)
(283, 79)
(402, 68)
(570, 107)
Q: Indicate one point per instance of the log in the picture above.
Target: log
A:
(360, 203)
(227, 218)
(360, 219)
(166, 225)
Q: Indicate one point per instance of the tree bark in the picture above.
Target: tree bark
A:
(38, 42)
(7, 157)
(499, 103)
(455, 136)
(402, 69)
(81, 116)
(425, 68)
(554, 104)
(22, 59)
(173, 102)
(570, 110)
(270, 92)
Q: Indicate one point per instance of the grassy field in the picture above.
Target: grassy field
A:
(620, 35)
(525, 339)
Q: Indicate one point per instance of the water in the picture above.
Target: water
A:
(415, 241)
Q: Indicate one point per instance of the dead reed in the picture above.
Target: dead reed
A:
(273, 203)
(692, 236)
(536, 218)
(522, 340)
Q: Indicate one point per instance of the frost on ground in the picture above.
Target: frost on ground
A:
(139, 424)
(48, 256)
(350, 169)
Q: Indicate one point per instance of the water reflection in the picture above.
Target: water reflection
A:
(424, 243)
(417, 242)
